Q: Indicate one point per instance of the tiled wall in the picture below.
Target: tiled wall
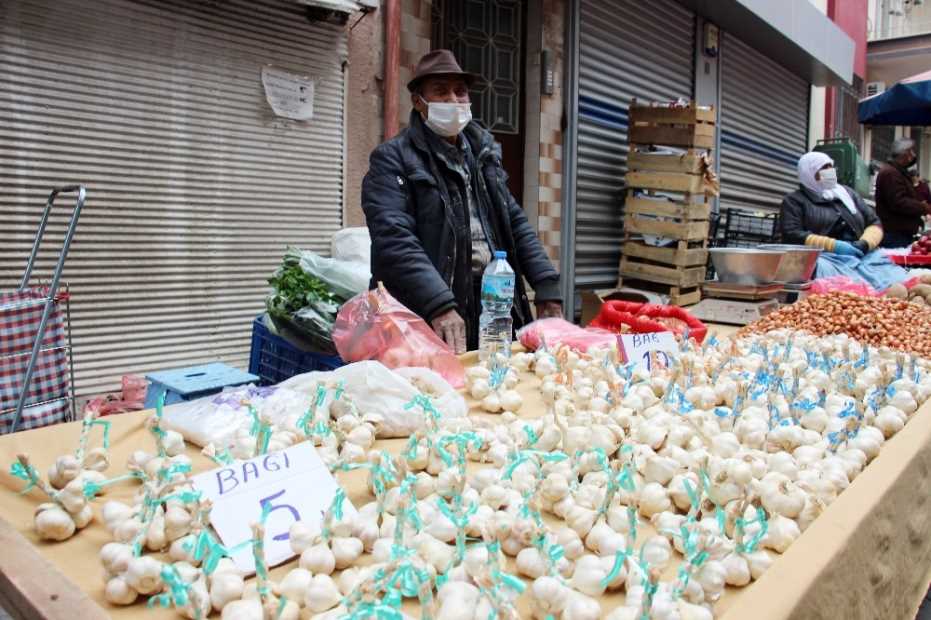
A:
(551, 134)
(415, 42)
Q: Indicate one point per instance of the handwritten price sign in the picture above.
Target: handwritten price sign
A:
(294, 483)
(645, 350)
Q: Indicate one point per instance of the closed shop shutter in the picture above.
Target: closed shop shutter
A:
(194, 187)
(764, 127)
(627, 49)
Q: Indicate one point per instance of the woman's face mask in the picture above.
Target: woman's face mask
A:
(448, 119)
(827, 178)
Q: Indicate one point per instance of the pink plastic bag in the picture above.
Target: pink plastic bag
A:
(556, 332)
(131, 398)
(822, 286)
(849, 285)
(375, 326)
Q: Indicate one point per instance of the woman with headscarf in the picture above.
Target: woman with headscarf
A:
(823, 214)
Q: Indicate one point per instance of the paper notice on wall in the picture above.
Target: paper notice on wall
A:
(289, 94)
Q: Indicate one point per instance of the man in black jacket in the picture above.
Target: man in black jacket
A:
(437, 206)
(897, 201)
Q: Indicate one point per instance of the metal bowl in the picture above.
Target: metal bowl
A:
(798, 262)
(750, 266)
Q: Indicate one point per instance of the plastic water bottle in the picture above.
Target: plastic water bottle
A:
(495, 324)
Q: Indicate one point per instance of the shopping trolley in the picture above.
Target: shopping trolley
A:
(36, 369)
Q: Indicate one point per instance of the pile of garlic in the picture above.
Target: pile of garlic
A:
(68, 509)
(702, 470)
(491, 383)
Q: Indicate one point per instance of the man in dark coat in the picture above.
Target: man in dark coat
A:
(437, 206)
(897, 202)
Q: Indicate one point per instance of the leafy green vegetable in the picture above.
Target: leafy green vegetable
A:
(302, 302)
(295, 289)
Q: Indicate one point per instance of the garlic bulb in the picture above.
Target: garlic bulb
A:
(295, 584)
(782, 533)
(53, 523)
(144, 575)
(322, 594)
(653, 500)
(118, 592)
(225, 588)
(458, 600)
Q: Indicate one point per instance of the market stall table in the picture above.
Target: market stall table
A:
(867, 556)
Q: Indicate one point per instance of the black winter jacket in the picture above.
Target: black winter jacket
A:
(803, 213)
(421, 241)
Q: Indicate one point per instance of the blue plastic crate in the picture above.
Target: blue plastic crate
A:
(274, 359)
(181, 384)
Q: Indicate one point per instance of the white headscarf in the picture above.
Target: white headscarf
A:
(808, 166)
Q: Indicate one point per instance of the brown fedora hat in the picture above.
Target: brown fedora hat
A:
(439, 62)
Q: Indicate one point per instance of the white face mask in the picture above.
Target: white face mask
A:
(828, 179)
(448, 119)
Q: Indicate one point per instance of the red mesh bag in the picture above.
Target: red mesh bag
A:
(648, 318)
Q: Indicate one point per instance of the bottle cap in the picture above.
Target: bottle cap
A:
(501, 254)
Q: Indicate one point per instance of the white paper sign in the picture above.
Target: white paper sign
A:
(290, 95)
(295, 483)
(647, 349)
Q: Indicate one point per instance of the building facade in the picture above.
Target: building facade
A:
(899, 47)
(195, 187)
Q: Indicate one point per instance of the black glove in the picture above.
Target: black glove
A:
(861, 245)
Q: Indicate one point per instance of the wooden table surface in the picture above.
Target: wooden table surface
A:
(867, 556)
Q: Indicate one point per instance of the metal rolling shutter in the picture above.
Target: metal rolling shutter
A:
(194, 186)
(764, 127)
(627, 49)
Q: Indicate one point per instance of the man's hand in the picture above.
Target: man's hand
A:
(549, 309)
(450, 327)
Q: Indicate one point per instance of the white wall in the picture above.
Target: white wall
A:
(914, 20)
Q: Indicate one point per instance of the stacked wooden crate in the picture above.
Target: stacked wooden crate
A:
(676, 270)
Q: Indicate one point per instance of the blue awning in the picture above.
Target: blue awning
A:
(907, 103)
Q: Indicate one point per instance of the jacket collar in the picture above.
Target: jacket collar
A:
(813, 197)
(480, 139)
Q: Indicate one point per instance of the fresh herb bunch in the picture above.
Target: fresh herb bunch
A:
(295, 288)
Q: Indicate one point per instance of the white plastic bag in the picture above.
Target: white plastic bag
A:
(353, 244)
(345, 278)
(216, 419)
(375, 389)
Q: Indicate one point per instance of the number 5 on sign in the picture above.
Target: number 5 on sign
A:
(292, 485)
(648, 350)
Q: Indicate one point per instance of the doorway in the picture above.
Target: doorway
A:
(488, 38)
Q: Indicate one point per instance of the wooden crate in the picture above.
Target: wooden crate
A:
(632, 267)
(665, 114)
(666, 181)
(684, 126)
(683, 254)
(691, 136)
(683, 210)
(678, 295)
(687, 230)
(687, 163)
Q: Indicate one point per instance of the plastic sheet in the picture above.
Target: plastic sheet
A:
(555, 332)
(874, 269)
(376, 326)
(648, 318)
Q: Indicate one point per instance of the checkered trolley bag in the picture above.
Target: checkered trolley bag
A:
(48, 394)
